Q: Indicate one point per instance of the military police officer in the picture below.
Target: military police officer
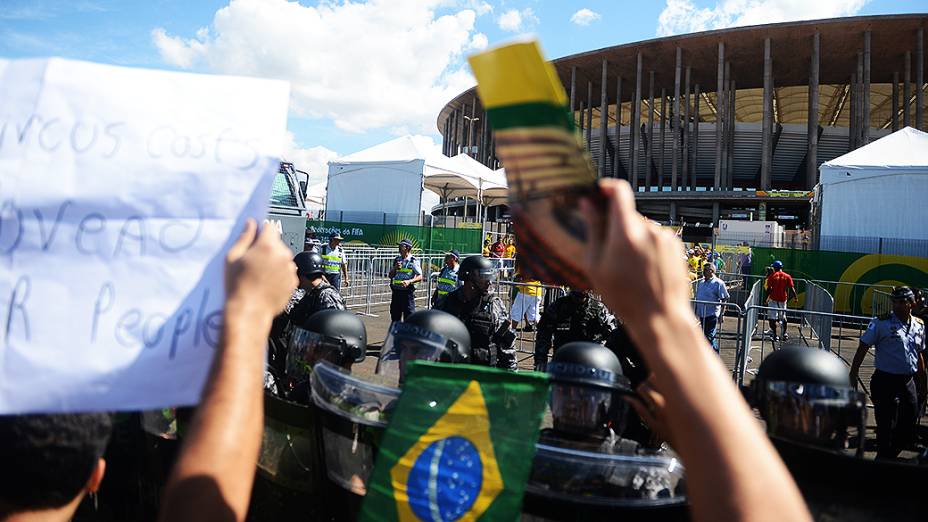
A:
(492, 337)
(577, 316)
(898, 383)
(448, 277)
(335, 264)
(404, 275)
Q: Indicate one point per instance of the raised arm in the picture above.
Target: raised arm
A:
(213, 475)
(636, 270)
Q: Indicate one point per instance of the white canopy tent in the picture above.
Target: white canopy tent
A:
(315, 197)
(388, 180)
(877, 191)
(491, 184)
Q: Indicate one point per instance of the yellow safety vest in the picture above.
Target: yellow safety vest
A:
(333, 260)
(447, 280)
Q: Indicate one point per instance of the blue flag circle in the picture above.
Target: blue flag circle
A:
(445, 480)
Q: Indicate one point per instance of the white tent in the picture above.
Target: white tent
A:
(385, 182)
(315, 197)
(877, 191)
(491, 184)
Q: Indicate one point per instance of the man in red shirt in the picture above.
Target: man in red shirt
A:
(779, 287)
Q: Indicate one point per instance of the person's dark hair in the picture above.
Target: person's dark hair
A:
(47, 459)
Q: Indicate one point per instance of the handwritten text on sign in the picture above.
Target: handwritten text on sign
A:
(120, 191)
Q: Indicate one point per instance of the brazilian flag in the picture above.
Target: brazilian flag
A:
(459, 446)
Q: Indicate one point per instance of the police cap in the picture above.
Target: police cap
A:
(902, 293)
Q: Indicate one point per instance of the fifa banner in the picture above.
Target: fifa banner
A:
(850, 278)
(121, 189)
(459, 447)
(422, 238)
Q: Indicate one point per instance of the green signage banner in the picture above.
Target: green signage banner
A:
(849, 277)
(424, 238)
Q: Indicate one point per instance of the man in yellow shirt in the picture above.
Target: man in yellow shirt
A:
(526, 303)
(510, 248)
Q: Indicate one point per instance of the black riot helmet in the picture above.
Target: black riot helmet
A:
(587, 389)
(805, 395)
(426, 335)
(309, 264)
(337, 336)
(478, 270)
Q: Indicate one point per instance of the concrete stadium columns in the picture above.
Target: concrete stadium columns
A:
(852, 113)
(649, 153)
(675, 123)
(720, 81)
(920, 79)
(684, 176)
(616, 163)
(695, 137)
(660, 157)
(906, 86)
(865, 101)
(895, 102)
(766, 157)
(603, 120)
(589, 115)
(812, 123)
(573, 89)
(636, 125)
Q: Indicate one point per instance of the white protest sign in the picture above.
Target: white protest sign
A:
(120, 191)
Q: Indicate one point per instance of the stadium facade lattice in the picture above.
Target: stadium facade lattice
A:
(716, 125)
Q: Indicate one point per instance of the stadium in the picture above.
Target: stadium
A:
(716, 125)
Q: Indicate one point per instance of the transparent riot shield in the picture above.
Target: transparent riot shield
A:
(571, 484)
(291, 476)
(353, 415)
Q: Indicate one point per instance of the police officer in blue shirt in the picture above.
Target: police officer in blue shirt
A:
(897, 387)
(448, 277)
(404, 275)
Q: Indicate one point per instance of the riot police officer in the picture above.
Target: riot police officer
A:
(448, 277)
(313, 294)
(336, 336)
(578, 316)
(898, 382)
(805, 395)
(427, 335)
(583, 468)
(491, 335)
(587, 406)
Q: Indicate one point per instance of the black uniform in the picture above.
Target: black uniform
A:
(303, 304)
(571, 318)
(491, 335)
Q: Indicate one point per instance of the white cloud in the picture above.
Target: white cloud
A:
(683, 16)
(380, 64)
(313, 160)
(514, 20)
(478, 42)
(584, 17)
(481, 8)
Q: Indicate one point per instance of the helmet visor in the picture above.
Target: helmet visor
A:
(483, 275)
(306, 349)
(813, 413)
(584, 409)
(406, 342)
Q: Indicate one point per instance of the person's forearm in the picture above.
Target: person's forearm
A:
(859, 358)
(217, 463)
(701, 399)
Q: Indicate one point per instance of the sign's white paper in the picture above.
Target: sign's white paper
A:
(120, 191)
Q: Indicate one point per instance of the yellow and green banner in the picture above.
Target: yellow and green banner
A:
(850, 278)
(459, 446)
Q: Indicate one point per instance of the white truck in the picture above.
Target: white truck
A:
(288, 205)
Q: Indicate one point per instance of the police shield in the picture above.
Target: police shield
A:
(353, 415)
(575, 484)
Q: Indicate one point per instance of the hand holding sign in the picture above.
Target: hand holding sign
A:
(121, 189)
(260, 273)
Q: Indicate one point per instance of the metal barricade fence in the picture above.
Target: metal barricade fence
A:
(725, 338)
(882, 303)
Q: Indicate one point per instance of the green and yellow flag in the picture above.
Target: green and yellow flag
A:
(459, 446)
(547, 167)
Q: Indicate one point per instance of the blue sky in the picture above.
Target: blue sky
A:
(365, 72)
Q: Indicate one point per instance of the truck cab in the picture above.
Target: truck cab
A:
(288, 205)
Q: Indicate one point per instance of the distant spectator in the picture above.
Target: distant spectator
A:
(49, 462)
(498, 250)
(486, 248)
(710, 290)
(526, 303)
(745, 259)
(510, 248)
(779, 288)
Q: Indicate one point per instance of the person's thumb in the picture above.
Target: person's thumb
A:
(244, 241)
